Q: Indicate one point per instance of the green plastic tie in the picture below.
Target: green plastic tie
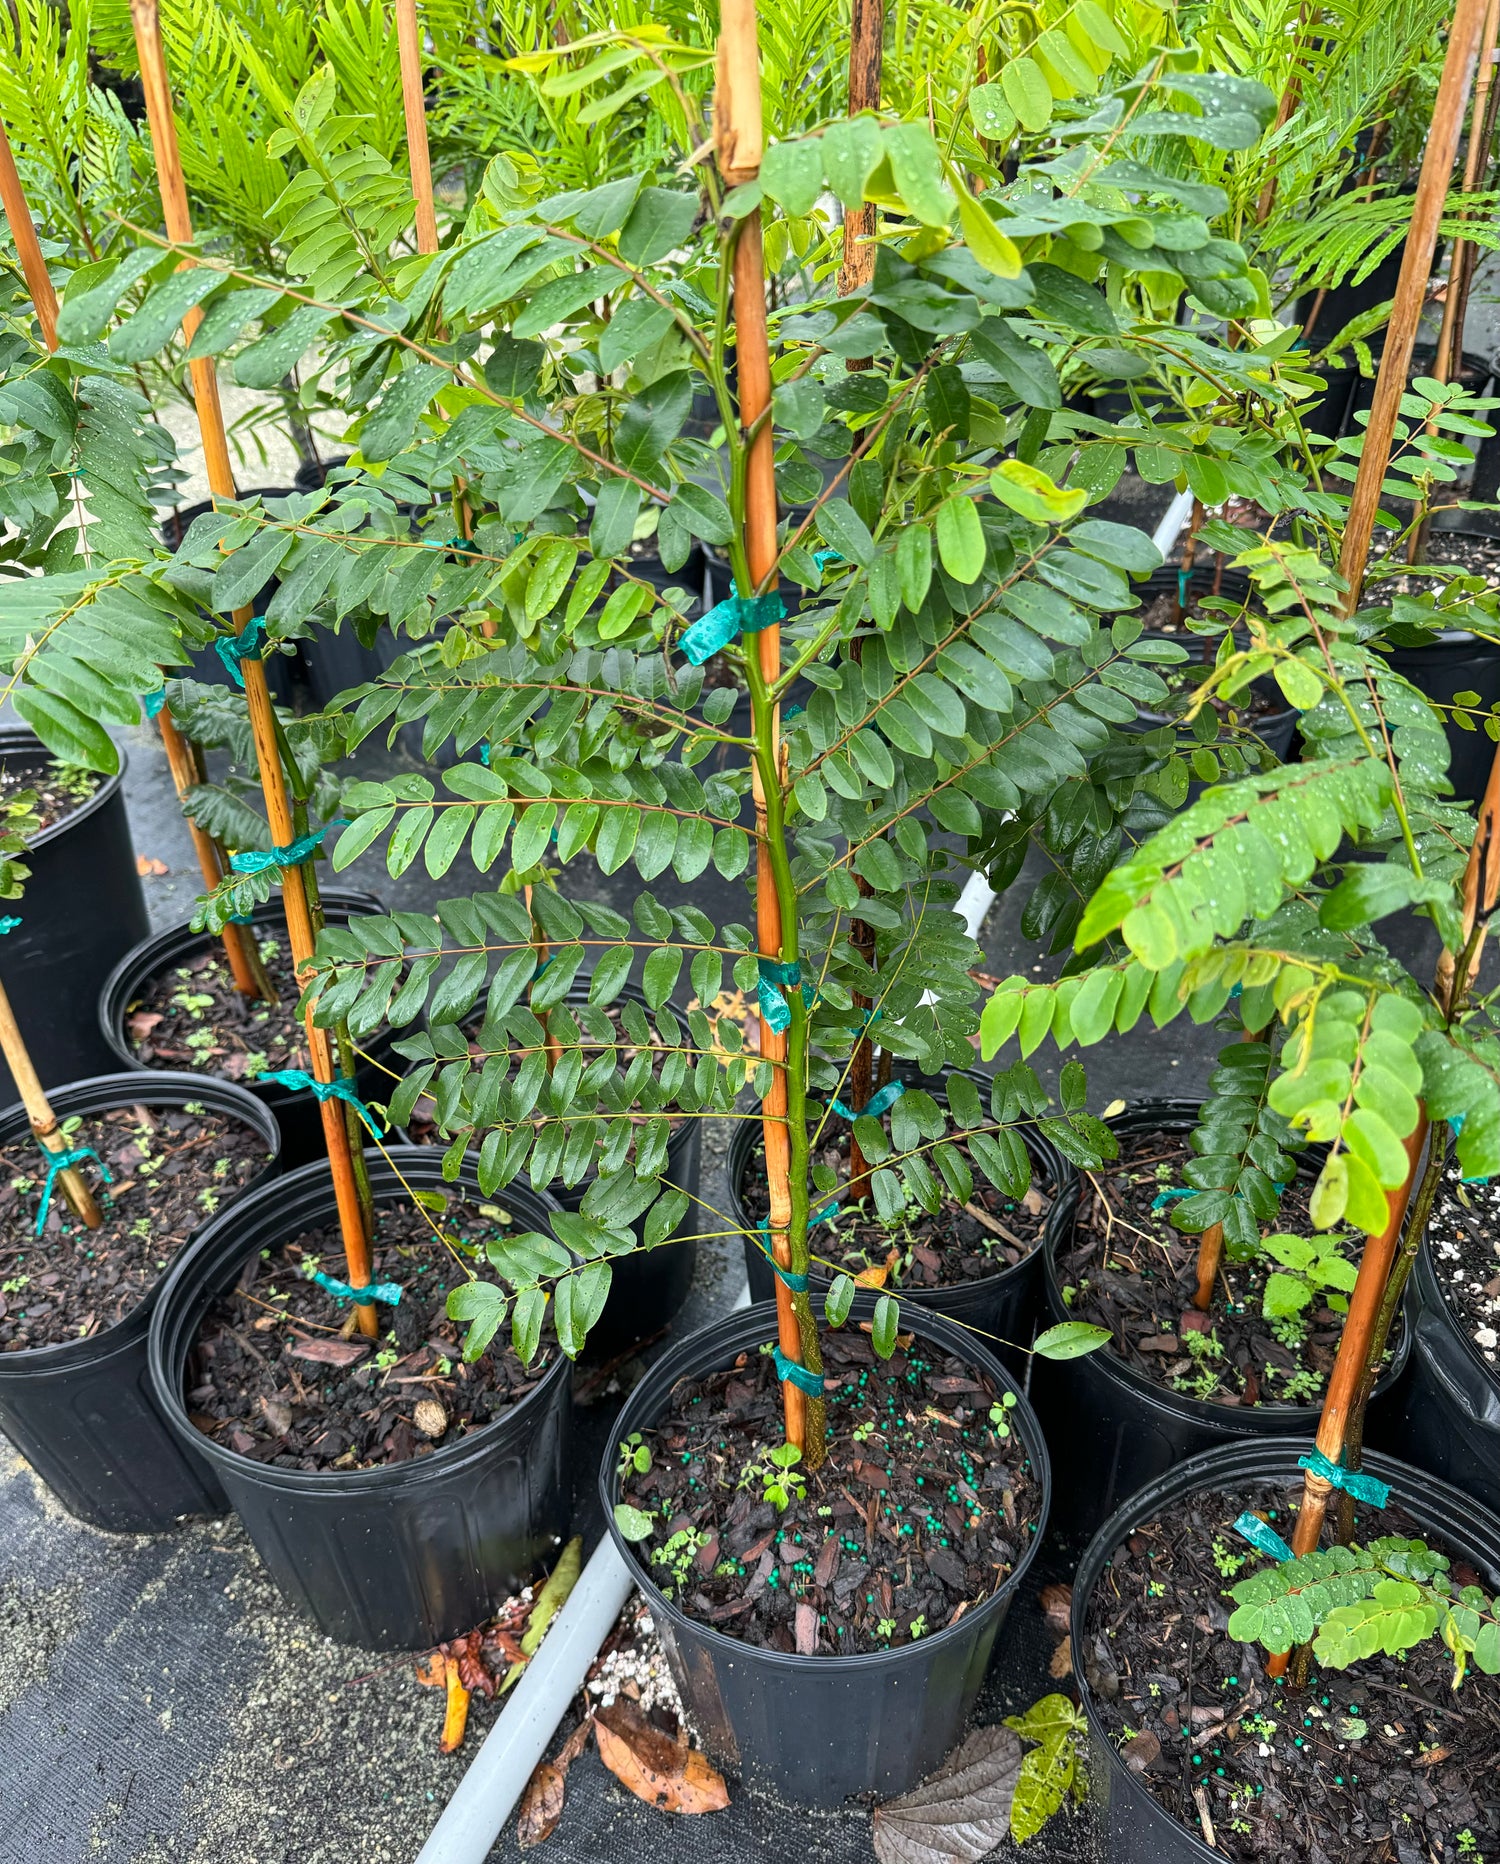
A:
(387, 1292)
(259, 860)
(726, 620)
(153, 702)
(1352, 1481)
(790, 1373)
(1262, 1537)
(879, 1102)
(298, 1081)
(246, 645)
(64, 1161)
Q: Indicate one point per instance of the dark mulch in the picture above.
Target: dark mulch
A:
(1378, 1764)
(919, 1511)
(60, 789)
(1133, 1273)
(1160, 616)
(1464, 1238)
(1478, 555)
(962, 1243)
(193, 1017)
(172, 1170)
(271, 1378)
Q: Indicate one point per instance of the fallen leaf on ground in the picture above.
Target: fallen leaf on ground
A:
(1139, 1753)
(142, 1023)
(148, 864)
(961, 1812)
(329, 1352)
(549, 1602)
(653, 1766)
(1061, 1662)
(430, 1672)
(457, 1717)
(541, 1805)
(542, 1802)
(1057, 1605)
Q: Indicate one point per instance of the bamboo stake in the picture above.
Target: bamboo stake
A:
(740, 145)
(300, 932)
(249, 975)
(1411, 289)
(43, 1119)
(865, 49)
(409, 40)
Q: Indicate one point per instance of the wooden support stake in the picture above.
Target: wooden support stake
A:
(249, 975)
(300, 930)
(409, 40)
(1411, 289)
(740, 143)
(43, 1119)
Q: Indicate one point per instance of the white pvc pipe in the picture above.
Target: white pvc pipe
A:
(974, 903)
(1174, 518)
(496, 1778)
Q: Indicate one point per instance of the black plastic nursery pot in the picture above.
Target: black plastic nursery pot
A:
(83, 907)
(298, 1114)
(1003, 1307)
(1119, 1430)
(82, 1413)
(1457, 662)
(403, 1556)
(1448, 1421)
(1137, 1829)
(819, 1731)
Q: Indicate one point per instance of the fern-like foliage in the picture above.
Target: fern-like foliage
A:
(1354, 1602)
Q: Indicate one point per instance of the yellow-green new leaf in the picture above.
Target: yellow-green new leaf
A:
(984, 239)
(1028, 491)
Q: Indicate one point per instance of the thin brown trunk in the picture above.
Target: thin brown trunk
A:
(866, 38)
(1411, 289)
(300, 930)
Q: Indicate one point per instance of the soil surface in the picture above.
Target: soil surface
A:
(1133, 1273)
(172, 1168)
(919, 1512)
(1478, 555)
(192, 1016)
(60, 789)
(962, 1243)
(271, 1378)
(1378, 1764)
(1464, 1238)
(1160, 614)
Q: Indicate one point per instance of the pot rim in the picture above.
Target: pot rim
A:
(169, 1087)
(1221, 1468)
(296, 1189)
(757, 1322)
(20, 740)
(146, 961)
(1042, 1150)
(1172, 1113)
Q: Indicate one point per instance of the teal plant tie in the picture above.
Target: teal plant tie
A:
(727, 620)
(878, 1103)
(64, 1161)
(259, 860)
(298, 1081)
(246, 645)
(826, 556)
(1163, 1198)
(8, 924)
(790, 1373)
(1362, 1487)
(153, 702)
(1262, 1536)
(827, 1214)
(774, 1010)
(387, 1292)
(789, 1277)
(484, 753)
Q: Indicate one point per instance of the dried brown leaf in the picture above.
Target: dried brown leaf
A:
(430, 1670)
(806, 1630)
(328, 1352)
(1141, 1751)
(456, 1718)
(541, 1805)
(1061, 1661)
(148, 865)
(1057, 1605)
(653, 1766)
(961, 1812)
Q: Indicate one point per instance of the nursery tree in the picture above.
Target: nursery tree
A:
(935, 644)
